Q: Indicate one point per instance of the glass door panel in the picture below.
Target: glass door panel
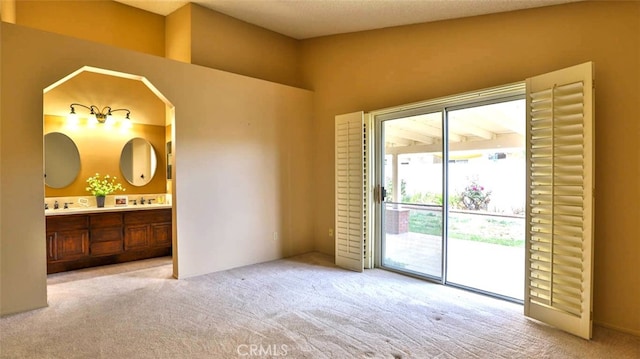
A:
(412, 212)
(486, 188)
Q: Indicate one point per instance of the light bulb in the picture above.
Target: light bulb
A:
(72, 119)
(109, 121)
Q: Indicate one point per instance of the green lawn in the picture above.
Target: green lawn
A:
(505, 231)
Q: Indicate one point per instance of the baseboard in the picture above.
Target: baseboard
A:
(617, 328)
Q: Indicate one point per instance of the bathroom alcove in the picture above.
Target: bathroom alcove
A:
(149, 109)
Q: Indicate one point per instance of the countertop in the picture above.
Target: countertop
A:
(86, 210)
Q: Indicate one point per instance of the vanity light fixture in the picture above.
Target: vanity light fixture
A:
(102, 116)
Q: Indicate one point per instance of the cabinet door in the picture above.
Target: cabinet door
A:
(70, 245)
(136, 237)
(161, 234)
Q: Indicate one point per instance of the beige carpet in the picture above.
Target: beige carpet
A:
(303, 307)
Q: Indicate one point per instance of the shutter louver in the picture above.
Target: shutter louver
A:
(560, 176)
(350, 188)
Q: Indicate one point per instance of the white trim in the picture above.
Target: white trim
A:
(498, 92)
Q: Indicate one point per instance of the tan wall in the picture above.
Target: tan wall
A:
(22, 286)
(100, 148)
(242, 152)
(378, 69)
(8, 11)
(178, 35)
(107, 22)
(222, 42)
(191, 34)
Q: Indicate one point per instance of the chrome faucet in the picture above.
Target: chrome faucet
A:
(141, 200)
(56, 205)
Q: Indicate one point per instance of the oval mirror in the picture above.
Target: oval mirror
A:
(138, 162)
(61, 160)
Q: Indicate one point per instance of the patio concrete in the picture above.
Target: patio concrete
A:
(488, 267)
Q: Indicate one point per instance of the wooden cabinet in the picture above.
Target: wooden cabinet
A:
(67, 240)
(161, 234)
(67, 245)
(87, 240)
(136, 236)
(147, 229)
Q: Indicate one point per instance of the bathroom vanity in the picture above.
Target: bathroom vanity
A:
(99, 236)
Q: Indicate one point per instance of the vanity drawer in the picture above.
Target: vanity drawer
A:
(148, 216)
(105, 220)
(106, 234)
(105, 248)
(67, 222)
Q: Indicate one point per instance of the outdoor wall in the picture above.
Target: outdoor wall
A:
(107, 22)
(383, 68)
(242, 154)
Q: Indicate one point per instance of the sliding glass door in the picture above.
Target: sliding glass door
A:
(453, 185)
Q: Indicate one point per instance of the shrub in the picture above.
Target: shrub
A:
(475, 197)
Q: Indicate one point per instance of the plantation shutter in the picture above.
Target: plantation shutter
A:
(351, 186)
(560, 176)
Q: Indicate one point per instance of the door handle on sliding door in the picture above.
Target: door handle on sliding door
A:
(380, 194)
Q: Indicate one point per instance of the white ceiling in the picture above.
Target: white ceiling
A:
(303, 19)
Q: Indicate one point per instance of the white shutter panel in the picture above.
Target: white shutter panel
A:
(350, 190)
(560, 209)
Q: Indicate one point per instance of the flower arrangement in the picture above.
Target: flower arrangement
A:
(475, 197)
(103, 186)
